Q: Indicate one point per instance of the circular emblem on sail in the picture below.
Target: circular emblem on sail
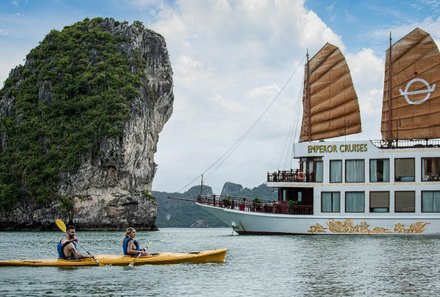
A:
(429, 89)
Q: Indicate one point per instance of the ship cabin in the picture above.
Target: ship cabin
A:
(351, 178)
(362, 177)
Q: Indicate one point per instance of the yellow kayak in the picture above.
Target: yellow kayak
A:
(210, 256)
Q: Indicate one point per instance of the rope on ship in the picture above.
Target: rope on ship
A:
(219, 162)
(287, 153)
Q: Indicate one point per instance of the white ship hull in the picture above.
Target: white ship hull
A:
(253, 223)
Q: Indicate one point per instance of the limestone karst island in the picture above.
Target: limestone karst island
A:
(79, 126)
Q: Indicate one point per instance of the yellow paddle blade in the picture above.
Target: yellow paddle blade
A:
(60, 224)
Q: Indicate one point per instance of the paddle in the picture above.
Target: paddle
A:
(60, 224)
(134, 260)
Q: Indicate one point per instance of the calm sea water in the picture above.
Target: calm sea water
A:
(255, 266)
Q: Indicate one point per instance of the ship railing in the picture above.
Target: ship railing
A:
(292, 175)
(406, 143)
(243, 204)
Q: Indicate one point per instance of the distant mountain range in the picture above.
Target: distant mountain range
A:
(179, 210)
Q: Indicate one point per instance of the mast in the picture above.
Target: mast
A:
(309, 103)
(201, 186)
(390, 105)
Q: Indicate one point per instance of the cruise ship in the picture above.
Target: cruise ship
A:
(390, 186)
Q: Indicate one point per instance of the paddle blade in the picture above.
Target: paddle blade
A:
(60, 224)
(134, 260)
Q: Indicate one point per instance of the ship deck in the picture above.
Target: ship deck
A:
(248, 205)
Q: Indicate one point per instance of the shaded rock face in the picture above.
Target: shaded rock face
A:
(231, 189)
(111, 190)
(196, 190)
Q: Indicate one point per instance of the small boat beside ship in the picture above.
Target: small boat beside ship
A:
(208, 256)
(390, 186)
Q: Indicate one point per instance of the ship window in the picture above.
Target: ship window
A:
(405, 170)
(331, 202)
(354, 202)
(379, 170)
(430, 201)
(405, 201)
(430, 169)
(335, 171)
(379, 201)
(318, 176)
(354, 171)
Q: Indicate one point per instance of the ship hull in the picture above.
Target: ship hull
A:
(253, 223)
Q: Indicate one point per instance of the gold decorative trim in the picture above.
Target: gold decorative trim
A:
(347, 226)
(417, 227)
(317, 228)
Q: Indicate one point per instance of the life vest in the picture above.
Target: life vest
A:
(60, 248)
(127, 239)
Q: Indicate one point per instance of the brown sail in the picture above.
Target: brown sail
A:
(412, 78)
(330, 105)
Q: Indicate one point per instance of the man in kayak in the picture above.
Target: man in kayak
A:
(67, 246)
(130, 246)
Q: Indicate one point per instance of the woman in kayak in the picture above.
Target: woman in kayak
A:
(131, 246)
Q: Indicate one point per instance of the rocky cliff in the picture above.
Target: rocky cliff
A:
(79, 126)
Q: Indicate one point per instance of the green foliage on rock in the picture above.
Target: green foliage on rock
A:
(66, 205)
(74, 90)
(149, 196)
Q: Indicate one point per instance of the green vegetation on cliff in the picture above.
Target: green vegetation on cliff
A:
(74, 90)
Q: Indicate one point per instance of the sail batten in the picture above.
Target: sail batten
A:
(412, 103)
(317, 88)
(334, 113)
(330, 102)
(318, 73)
(405, 46)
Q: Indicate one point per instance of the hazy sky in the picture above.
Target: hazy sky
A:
(238, 70)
